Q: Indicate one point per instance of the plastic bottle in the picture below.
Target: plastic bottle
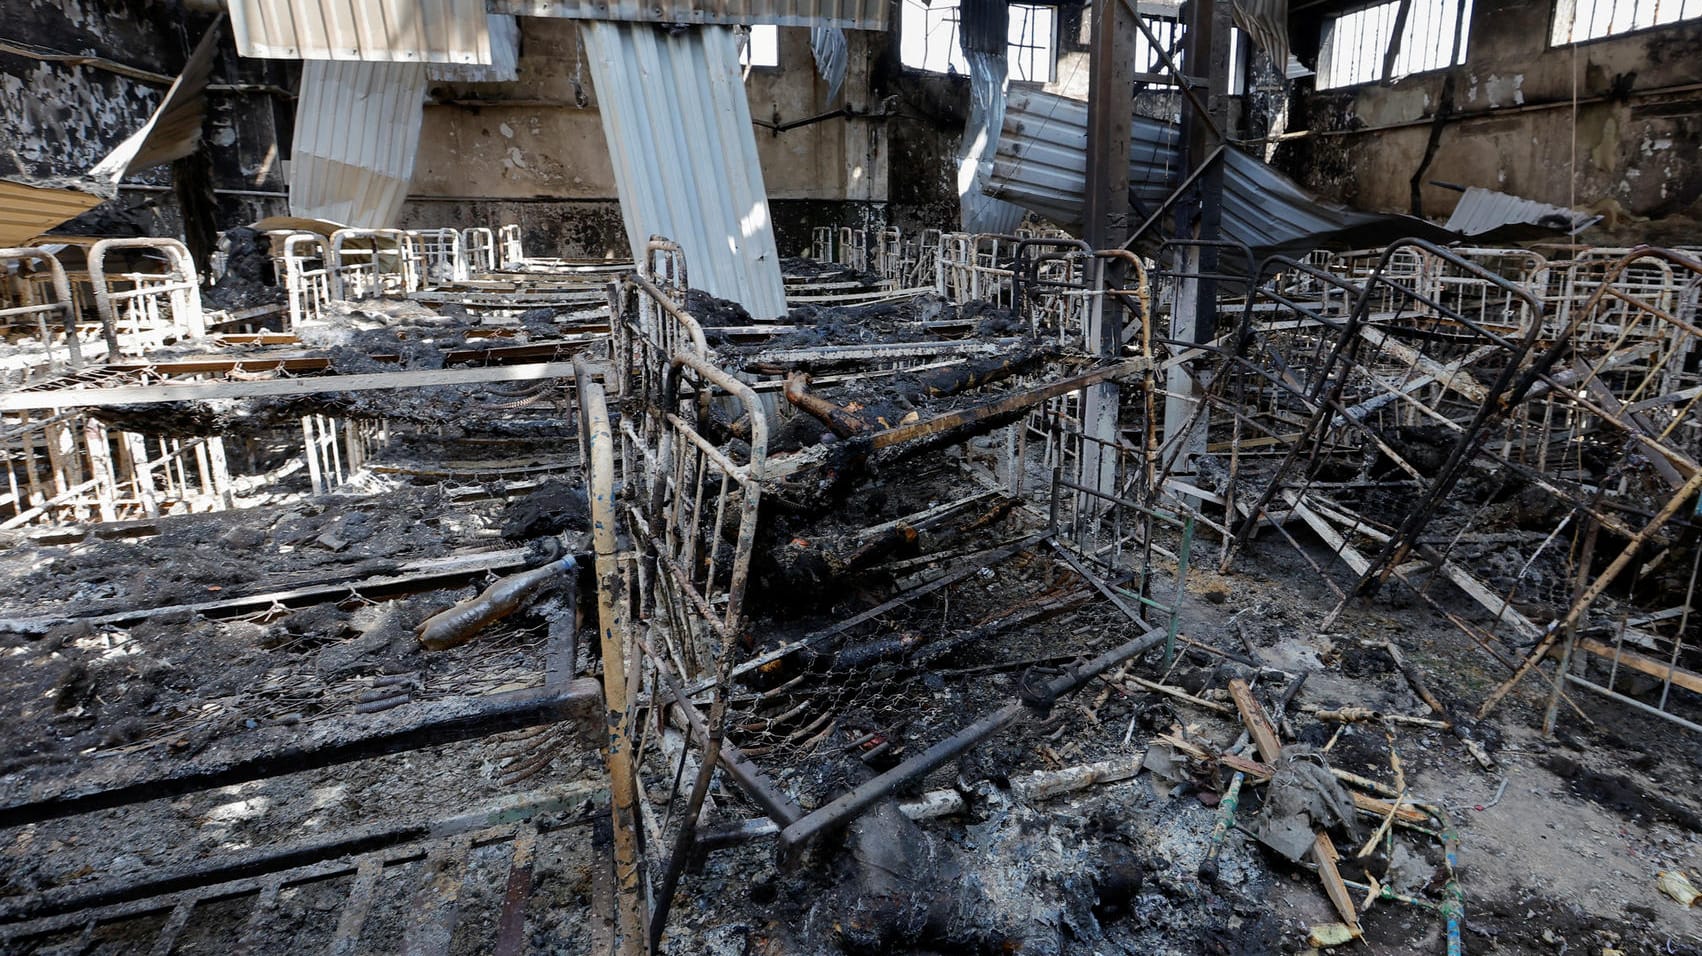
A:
(455, 626)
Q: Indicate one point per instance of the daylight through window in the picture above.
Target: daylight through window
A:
(928, 40)
(1578, 20)
(1355, 43)
(762, 47)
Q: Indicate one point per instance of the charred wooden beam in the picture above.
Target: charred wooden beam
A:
(962, 425)
(965, 376)
(841, 422)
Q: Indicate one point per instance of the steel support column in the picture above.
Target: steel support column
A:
(1110, 111)
(1194, 319)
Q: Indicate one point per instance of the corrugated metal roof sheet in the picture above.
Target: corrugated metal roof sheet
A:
(27, 211)
(411, 31)
(828, 46)
(504, 66)
(678, 124)
(1041, 161)
(1484, 210)
(1041, 164)
(849, 14)
(357, 132)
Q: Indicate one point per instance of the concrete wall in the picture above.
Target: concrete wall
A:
(1638, 132)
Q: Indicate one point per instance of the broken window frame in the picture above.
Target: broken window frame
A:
(1426, 42)
(1165, 22)
(1602, 19)
(1032, 41)
(759, 49)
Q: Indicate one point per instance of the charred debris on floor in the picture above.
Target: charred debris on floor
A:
(905, 622)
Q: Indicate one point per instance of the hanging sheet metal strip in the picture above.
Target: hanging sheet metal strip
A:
(356, 135)
(684, 153)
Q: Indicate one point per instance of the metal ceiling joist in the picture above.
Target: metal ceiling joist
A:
(846, 14)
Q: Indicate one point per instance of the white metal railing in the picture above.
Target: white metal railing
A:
(372, 263)
(41, 300)
(440, 255)
(307, 277)
(143, 310)
(480, 246)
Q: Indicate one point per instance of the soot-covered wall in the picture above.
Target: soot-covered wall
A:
(63, 116)
(1635, 147)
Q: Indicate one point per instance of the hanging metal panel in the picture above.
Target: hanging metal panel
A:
(977, 211)
(847, 14)
(356, 135)
(408, 31)
(679, 130)
(828, 46)
(27, 211)
(1041, 158)
(1482, 211)
(1041, 164)
(173, 130)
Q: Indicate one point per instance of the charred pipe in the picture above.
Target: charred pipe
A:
(1220, 831)
(457, 625)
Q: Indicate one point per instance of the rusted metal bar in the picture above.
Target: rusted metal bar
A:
(352, 920)
(838, 420)
(436, 904)
(598, 440)
(747, 775)
(686, 839)
(511, 924)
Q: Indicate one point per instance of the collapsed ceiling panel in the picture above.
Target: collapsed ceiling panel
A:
(174, 129)
(27, 211)
(1042, 161)
(409, 31)
(1482, 211)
